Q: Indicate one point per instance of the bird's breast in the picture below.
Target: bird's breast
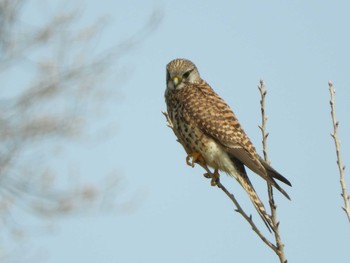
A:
(193, 139)
(216, 156)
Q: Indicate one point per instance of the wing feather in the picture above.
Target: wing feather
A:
(218, 121)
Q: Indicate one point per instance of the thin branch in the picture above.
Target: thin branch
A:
(238, 209)
(279, 244)
(262, 127)
(341, 167)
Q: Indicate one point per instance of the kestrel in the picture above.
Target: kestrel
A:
(210, 133)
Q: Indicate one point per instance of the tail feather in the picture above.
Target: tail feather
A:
(244, 181)
(273, 174)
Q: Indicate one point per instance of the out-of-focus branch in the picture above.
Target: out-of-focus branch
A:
(54, 93)
(279, 244)
(341, 167)
(53, 85)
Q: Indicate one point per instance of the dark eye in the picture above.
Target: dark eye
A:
(185, 75)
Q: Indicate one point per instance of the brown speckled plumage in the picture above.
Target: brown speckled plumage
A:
(205, 124)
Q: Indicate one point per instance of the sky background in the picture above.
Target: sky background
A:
(295, 47)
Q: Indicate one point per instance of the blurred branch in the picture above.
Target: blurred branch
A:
(53, 84)
(341, 167)
(53, 99)
(279, 244)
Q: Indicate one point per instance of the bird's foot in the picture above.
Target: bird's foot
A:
(215, 177)
(194, 157)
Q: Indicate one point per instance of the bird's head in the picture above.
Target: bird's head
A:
(180, 72)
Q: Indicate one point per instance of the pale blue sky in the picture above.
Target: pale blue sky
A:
(296, 47)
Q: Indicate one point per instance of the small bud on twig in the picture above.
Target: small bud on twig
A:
(341, 167)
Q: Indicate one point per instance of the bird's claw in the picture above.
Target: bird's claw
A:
(215, 177)
(196, 157)
(207, 175)
(192, 158)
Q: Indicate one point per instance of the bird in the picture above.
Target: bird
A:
(211, 134)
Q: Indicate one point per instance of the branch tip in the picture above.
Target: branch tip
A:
(341, 167)
(279, 247)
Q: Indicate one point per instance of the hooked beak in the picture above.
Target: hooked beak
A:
(176, 80)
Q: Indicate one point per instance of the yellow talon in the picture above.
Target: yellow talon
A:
(195, 156)
(188, 161)
(215, 178)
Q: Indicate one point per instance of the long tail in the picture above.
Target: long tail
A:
(244, 181)
(273, 174)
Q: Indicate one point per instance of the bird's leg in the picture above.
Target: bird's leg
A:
(215, 177)
(196, 157)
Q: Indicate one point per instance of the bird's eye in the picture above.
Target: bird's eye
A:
(186, 74)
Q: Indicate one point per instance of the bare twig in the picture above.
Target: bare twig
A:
(341, 167)
(279, 244)
(262, 127)
(238, 209)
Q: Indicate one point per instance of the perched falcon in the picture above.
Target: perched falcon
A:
(210, 132)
